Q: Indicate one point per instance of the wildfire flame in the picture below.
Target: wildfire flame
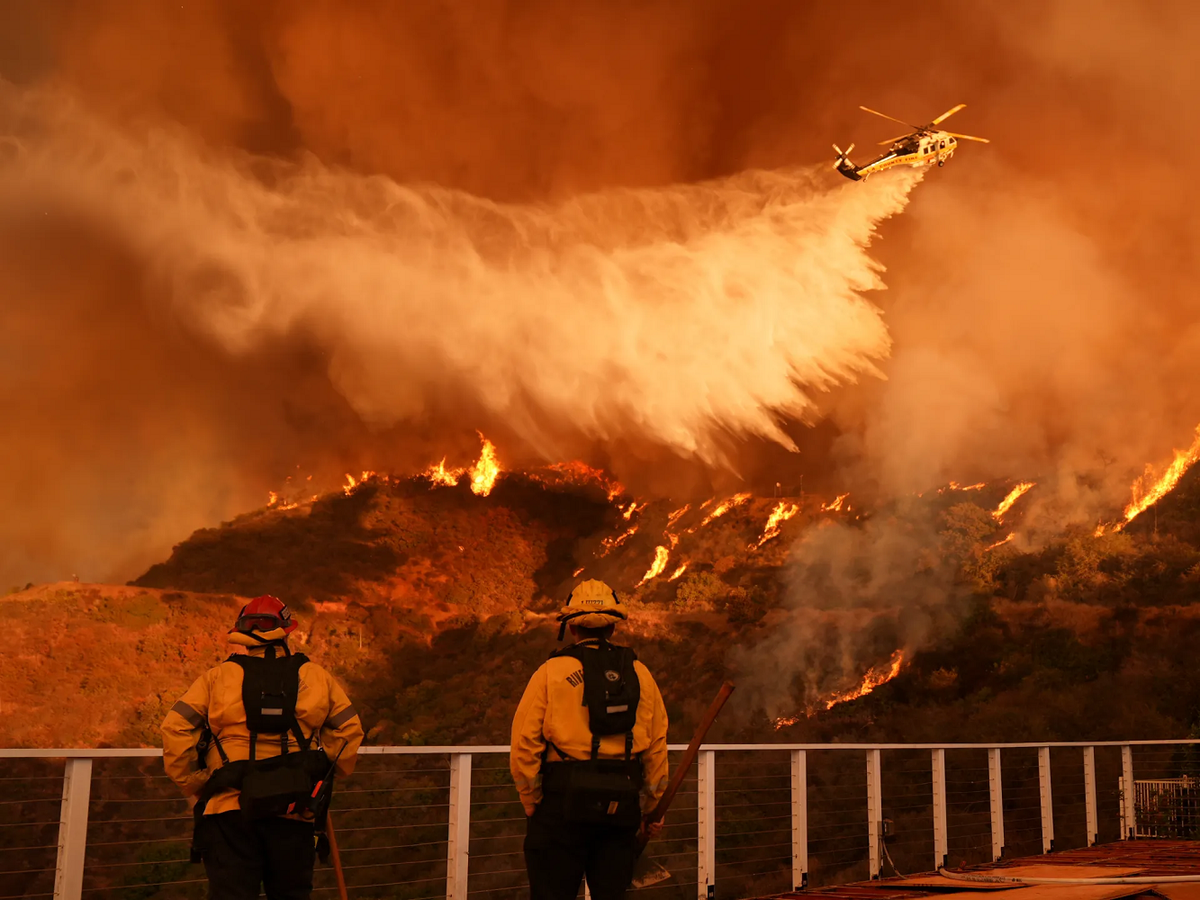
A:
(273, 502)
(725, 506)
(1147, 490)
(678, 572)
(352, 482)
(876, 676)
(577, 472)
(955, 486)
(661, 555)
(486, 470)
(779, 515)
(677, 515)
(1013, 496)
(611, 543)
(1011, 535)
(631, 509)
(577, 572)
(442, 476)
(835, 504)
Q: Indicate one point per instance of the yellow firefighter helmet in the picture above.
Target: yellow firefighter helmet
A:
(593, 604)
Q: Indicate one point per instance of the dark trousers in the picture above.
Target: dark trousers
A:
(559, 853)
(240, 855)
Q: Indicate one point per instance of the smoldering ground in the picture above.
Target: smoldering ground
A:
(223, 185)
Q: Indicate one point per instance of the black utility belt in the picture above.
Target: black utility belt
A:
(559, 776)
(596, 791)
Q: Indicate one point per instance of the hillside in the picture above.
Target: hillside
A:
(434, 605)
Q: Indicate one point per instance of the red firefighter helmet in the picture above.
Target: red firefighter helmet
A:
(264, 614)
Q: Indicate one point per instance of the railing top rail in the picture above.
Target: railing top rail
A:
(150, 752)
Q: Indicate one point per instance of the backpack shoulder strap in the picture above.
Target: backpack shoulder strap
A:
(297, 661)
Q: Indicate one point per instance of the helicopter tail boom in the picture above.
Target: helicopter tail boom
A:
(844, 165)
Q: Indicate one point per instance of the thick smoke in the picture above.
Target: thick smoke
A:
(855, 594)
(161, 369)
(676, 315)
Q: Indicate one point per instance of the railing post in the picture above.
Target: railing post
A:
(996, 796)
(1044, 790)
(941, 844)
(72, 829)
(874, 812)
(457, 857)
(706, 824)
(799, 820)
(1089, 794)
(1128, 809)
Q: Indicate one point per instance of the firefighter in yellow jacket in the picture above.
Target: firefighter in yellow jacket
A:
(589, 755)
(254, 744)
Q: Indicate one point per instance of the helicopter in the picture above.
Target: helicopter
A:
(925, 146)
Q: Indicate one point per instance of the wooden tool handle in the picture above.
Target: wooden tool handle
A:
(689, 755)
(337, 857)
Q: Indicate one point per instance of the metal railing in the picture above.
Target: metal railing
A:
(422, 822)
(1168, 807)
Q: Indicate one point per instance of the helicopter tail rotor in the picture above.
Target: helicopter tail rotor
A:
(843, 156)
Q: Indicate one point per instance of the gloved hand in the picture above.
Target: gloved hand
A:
(651, 829)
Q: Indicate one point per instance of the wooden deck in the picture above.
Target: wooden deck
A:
(1142, 858)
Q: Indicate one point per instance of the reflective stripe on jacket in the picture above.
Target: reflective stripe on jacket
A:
(321, 706)
(553, 709)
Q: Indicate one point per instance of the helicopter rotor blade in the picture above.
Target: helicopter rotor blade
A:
(947, 114)
(890, 141)
(968, 137)
(893, 118)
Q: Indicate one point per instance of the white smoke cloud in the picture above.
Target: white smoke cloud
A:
(678, 314)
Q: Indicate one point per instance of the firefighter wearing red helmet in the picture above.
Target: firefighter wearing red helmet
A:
(589, 755)
(255, 744)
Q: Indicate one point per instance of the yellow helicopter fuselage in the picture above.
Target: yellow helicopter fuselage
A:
(916, 151)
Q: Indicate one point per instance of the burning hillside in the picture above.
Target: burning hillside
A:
(617, 239)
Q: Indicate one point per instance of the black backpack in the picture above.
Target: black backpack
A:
(603, 790)
(282, 784)
(294, 782)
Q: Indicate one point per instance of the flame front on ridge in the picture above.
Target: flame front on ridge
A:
(779, 515)
(1147, 492)
(876, 676)
(661, 555)
(835, 504)
(1013, 496)
(724, 506)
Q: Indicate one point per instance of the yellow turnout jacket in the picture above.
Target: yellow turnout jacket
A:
(322, 708)
(553, 709)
